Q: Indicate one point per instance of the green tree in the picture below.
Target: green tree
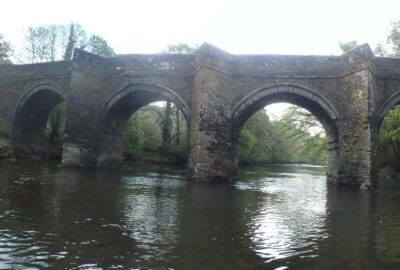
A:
(56, 123)
(380, 50)
(76, 38)
(256, 142)
(144, 136)
(394, 38)
(98, 45)
(134, 138)
(347, 46)
(166, 125)
(296, 137)
(5, 51)
(55, 42)
(389, 139)
(182, 48)
(307, 133)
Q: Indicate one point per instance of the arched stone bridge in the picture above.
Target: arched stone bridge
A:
(216, 91)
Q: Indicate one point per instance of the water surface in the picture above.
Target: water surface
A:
(279, 217)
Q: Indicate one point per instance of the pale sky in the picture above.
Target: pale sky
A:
(250, 26)
(243, 27)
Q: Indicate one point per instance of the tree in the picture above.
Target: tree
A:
(347, 46)
(44, 43)
(296, 137)
(56, 123)
(76, 38)
(307, 133)
(167, 122)
(143, 136)
(55, 42)
(182, 48)
(98, 45)
(389, 139)
(166, 126)
(380, 50)
(394, 38)
(255, 141)
(5, 51)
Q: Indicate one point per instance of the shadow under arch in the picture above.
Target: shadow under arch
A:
(116, 111)
(298, 95)
(31, 114)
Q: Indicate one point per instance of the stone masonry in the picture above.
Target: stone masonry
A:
(216, 91)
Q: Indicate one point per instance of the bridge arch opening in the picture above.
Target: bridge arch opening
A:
(388, 137)
(39, 124)
(312, 104)
(121, 123)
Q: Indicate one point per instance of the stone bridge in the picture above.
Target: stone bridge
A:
(216, 91)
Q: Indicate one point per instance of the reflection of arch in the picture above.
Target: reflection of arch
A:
(302, 96)
(31, 115)
(393, 100)
(116, 111)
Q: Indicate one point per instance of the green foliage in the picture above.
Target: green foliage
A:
(134, 137)
(55, 127)
(76, 38)
(5, 51)
(254, 142)
(380, 50)
(389, 139)
(347, 46)
(182, 48)
(54, 42)
(297, 137)
(98, 45)
(143, 135)
(394, 38)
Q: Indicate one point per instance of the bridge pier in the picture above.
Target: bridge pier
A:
(357, 143)
(355, 161)
(212, 153)
(78, 155)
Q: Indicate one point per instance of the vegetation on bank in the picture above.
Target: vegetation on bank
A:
(295, 138)
(389, 140)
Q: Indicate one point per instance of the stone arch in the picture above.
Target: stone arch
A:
(32, 110)
(301, 96)
(116, 111)
(392, 101)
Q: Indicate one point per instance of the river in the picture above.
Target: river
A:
(276, 217)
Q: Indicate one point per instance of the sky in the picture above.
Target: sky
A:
(305, 27)
(242, 27)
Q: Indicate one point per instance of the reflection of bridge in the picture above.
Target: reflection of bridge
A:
(216, 91)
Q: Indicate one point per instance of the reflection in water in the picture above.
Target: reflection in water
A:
(291, 215)
(282, 217)
(150, 206)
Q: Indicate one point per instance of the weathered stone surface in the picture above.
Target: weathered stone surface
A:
(76, 156)
(216, 91)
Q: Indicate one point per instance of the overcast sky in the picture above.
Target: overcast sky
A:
(250, 26)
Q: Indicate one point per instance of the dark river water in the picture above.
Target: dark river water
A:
(280, 217)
